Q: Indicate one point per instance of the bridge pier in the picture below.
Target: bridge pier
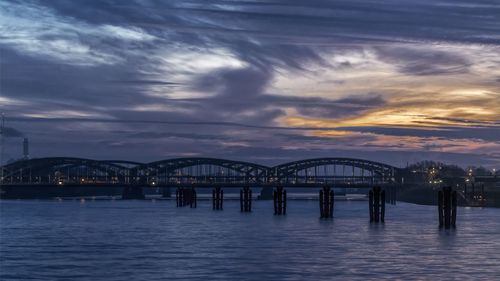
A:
(217, 198)
(376, 204)
(132, 192)
(246, 199)
(186, 196)
(326, 197)
(447, 207)
(179, 197)
(194, 198)
(279, 198)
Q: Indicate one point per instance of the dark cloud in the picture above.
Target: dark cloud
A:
(95, 74)
(424, 61)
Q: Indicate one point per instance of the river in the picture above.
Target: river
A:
(154, 240)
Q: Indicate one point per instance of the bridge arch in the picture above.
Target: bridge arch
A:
(63, 169)
(325, 169)
(196, 169)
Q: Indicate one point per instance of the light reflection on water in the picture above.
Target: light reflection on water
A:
(154, 240)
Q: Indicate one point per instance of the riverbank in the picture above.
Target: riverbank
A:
(428, 196)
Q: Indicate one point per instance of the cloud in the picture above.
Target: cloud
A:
(253, 80)
(428, 61)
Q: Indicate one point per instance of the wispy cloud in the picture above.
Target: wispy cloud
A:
(254, 79)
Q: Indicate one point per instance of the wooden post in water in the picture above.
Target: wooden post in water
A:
(214, 199)
(382, 208)
(177, 197)
(217, 197)
(321, 204)
(447, 207)
(222, 199)
(440, 208)
(249, 199)
(241, 200)
(180, 197)
(194, 198)
(246, 199)
(284, 202)
(275, 201)
(454, 208)
(376, 204)
(326, 202)
(279, 198)
(332, 202)
(370, 204)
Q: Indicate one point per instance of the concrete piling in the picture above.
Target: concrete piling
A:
(193, 202)
(179, 192)
(376, 204)
(186, 196)
(447, 207)
(246, 199)
(370, 204)
(382, 207)
(326, 198)
(279, 198)
(217, 198)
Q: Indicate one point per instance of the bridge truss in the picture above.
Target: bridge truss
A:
(197, 172)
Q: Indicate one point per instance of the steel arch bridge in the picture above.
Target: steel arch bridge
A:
(201, 171)
(66, 170)
(333, 170)
(197, 171)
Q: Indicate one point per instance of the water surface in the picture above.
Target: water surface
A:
(154, 240)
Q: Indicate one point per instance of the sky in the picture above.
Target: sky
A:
(261, 81)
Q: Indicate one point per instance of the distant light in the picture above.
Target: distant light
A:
(59, 182)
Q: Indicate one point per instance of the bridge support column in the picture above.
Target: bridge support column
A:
(279, 198)
(193, 202)
(186, 196)
(133, 192)
(376, 204)
(217, 198)
(166, 192)
(179, 197)
(246, 199)
(447, 207)
(326, 197)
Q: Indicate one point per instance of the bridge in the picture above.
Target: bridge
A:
(199, 172)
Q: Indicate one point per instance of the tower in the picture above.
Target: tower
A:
(26, 149)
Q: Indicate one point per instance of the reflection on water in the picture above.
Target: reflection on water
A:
(154, 240)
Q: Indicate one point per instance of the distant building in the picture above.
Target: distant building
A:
(26, 149)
